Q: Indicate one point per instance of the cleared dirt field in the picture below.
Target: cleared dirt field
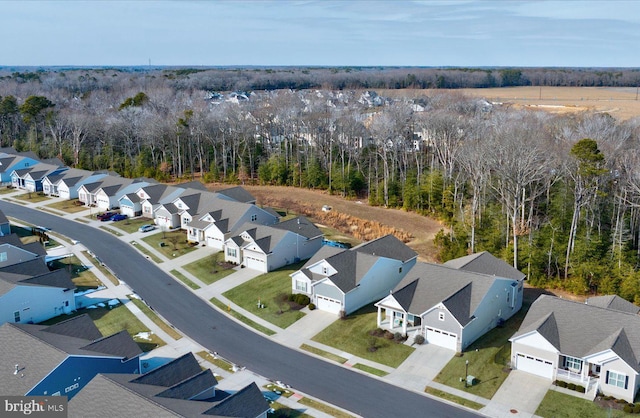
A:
(421, 228)
(620, 102)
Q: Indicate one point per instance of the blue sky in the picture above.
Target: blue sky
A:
(332, 33)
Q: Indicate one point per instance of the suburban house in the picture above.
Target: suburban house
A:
(31, 178)
(60, 359)
(343, 280)
(67, 183)
(20, 252)
(590, 345)
(266, 248)
(451, 307)
(106, 191)
(29, 291)
(237, 194)
(15, 161)
(152, 197)
(179, 388)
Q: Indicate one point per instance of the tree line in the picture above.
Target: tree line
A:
(558, 196)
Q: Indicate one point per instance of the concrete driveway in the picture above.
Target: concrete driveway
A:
(421, 367)
(519, 396)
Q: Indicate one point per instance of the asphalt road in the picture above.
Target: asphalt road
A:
(366, 396)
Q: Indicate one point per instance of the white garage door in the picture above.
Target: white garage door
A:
(442, 338)
(534, 365)
(327, 304)
(255, 264)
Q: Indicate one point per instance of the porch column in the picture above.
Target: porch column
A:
(404, 323)
(379, 317)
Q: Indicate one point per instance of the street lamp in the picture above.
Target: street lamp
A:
(466, 372)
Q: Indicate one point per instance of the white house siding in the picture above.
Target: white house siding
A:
(493, 306)
(534, 345)
(377, 283)
(214, 237)
(127, 207)
(165, 219)
(233, 256)
(104, 202)
(47, 187)
(64, 193)
(619, 366)
(300, 281)
(35, 303)
(449, 324)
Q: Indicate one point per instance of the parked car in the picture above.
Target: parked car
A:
(105, 216)
(118, 217)
(147, 228)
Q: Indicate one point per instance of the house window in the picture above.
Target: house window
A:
(617, 379)
(441, 316)
(301, 286)
(231, 252)
(508, 297)
(573, 364)
(254, 218)
(400, 270)
(3, 257)
(16, 316)
(324, 270)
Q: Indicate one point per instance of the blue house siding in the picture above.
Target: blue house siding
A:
(75, 372)
(5, 175)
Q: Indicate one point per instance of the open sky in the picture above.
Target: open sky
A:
(571, 33)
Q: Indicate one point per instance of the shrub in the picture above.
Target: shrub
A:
(636, 409)
(302, 299)
(418, 339)
(628, 409)
(312, 306)
(388, 335)
(561, 384)
(398, 337)
(571, 386)
(581, 389)
(342, 314)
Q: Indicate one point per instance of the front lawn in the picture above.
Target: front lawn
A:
(81, 276)
(27, 236)
(68, 206)
(487, 357)
(249, 322)
(210, 269)
(32, 197)
(170, 243)
(556, 404)
(131, 225)
(111, 321)
(352, 335)
(268, 288)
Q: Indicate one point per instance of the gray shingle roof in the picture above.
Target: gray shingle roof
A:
(239, 194)
(301, 226)
(387, 246)
(171, 373)
(486, 263)
(426, 285)
(246, 403)
(577, 329)
(81, 326)
(614, 302)
(119, 344)
(20, 277)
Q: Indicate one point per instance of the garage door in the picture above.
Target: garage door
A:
(534, 365)
(254, 264)
(327, 304)
(442, 338)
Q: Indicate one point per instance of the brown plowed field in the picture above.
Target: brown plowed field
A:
(421, 228)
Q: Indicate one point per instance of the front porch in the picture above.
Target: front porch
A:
(581, 373)
(396, 321)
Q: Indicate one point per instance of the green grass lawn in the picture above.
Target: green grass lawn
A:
(68, 206)
(323, 353)
(111, 230)
(282, 411)
(175, 243)
(184, 279)
(32, 197)
(223, 364)
(210, 269)
(146, 252)
(26, 236)
(111, 321)
(253, 324)
(156, 319)
(131, 225)
(453, 398)
(5, 190)
(370, 369)
(323, 407)
(556, 404)
(266, 288)
(352, 336)
(490, 374)
(80, 274)
(113, 279)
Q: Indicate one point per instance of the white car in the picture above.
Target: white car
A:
(326, 208)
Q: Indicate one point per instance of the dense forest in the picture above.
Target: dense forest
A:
(556, 195)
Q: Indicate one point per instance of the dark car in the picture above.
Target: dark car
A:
(105, 216)
(118, 217)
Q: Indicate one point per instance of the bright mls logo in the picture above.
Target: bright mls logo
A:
(34, 406)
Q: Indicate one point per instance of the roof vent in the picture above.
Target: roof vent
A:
(17, 369)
